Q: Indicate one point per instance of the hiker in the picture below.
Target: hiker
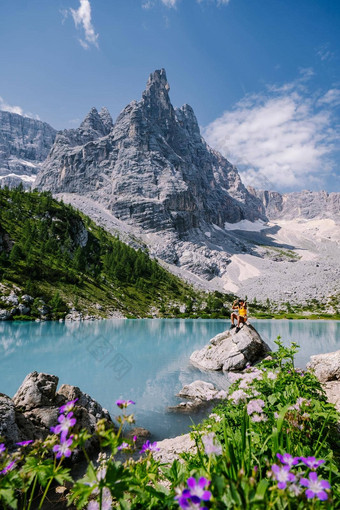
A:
(241, 306)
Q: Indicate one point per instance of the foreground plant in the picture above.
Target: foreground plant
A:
(271, 444)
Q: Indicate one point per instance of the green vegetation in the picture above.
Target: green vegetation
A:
(328, 309)
(63, 259)
(273, 443)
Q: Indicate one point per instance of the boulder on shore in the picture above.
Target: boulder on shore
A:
(327, 369)
(34, 409)
(231, 351)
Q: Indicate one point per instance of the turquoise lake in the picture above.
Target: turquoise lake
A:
(143, 360)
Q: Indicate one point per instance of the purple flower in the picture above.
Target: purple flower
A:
(63, 449)
(2, 448)
(255, 406)
(315, 487)
(195, 494)
(149, 447)
(25, 443)
(68, 406)
(282, 475)
(7, 468)
(311, 462)
(198, 490)
(288, 459)
(123, 446)
(237, 396)
(134, 439)
(259, 417)
(211, 445)
(65, 423)
(124, 403)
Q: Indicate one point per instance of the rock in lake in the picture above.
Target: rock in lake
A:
(34, 409)
(201, 390)
(231, 351)
(327, 369)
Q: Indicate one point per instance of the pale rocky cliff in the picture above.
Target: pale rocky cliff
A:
(24, 144)
(300, 204)
(152, 169)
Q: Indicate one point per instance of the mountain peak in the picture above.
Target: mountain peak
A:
(156, 94)
(106, 118)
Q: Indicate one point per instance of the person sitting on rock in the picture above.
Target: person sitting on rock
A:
(241, 315)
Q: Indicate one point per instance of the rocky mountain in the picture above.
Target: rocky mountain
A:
(302, 204)
(24, 144)
(152, 168)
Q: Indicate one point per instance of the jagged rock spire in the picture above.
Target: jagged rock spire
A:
(106, 118)
(156, 95)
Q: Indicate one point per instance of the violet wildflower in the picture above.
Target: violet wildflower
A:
(272, 376)
(25, 443)
(93, 505)
(311, 462)
(256, 418)
(233, 378)
(63, 449)
(211, 446)
(238, 396)
(198, 490)
(134, 439)
(7, 468)
(315, 487)
(255, 406)
(288, 459)
(65, 423)
(122, 404)
(282, 475)
(216, 417)
(149, 447)
(123, 446)
(66, 408)
(2, 448)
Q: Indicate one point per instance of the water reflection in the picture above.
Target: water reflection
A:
(147, 360)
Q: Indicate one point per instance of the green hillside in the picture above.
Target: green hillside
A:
(60, 257)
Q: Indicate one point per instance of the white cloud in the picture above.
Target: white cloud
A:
(4, 106)
(324, 53)
(82, 17)
(8, 108)
(147, 4)
(282, 139)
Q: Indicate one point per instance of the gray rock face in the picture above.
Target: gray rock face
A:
(326, 366)
(34, 409)
(36, 390)
(151, 169)
(201, 390)
(231, 351)
(24, 144)
(302, 204)
(170, 449)
(8, 426)
(327, 370)
(5, 315)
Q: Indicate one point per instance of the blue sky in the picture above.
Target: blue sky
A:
(262, 76)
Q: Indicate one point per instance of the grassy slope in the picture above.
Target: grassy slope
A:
(42, 254)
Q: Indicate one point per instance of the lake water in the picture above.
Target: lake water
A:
(143, 360)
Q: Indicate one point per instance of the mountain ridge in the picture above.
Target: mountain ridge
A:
(24, 144)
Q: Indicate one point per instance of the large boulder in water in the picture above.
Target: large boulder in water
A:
(231, 351)
(326, 366)
(327, 369)
(34, 409)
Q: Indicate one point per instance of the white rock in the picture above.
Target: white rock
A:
(198, 389)
(231, 351)
(326, 366)
(171, 448)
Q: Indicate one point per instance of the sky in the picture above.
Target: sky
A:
(263, 76)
